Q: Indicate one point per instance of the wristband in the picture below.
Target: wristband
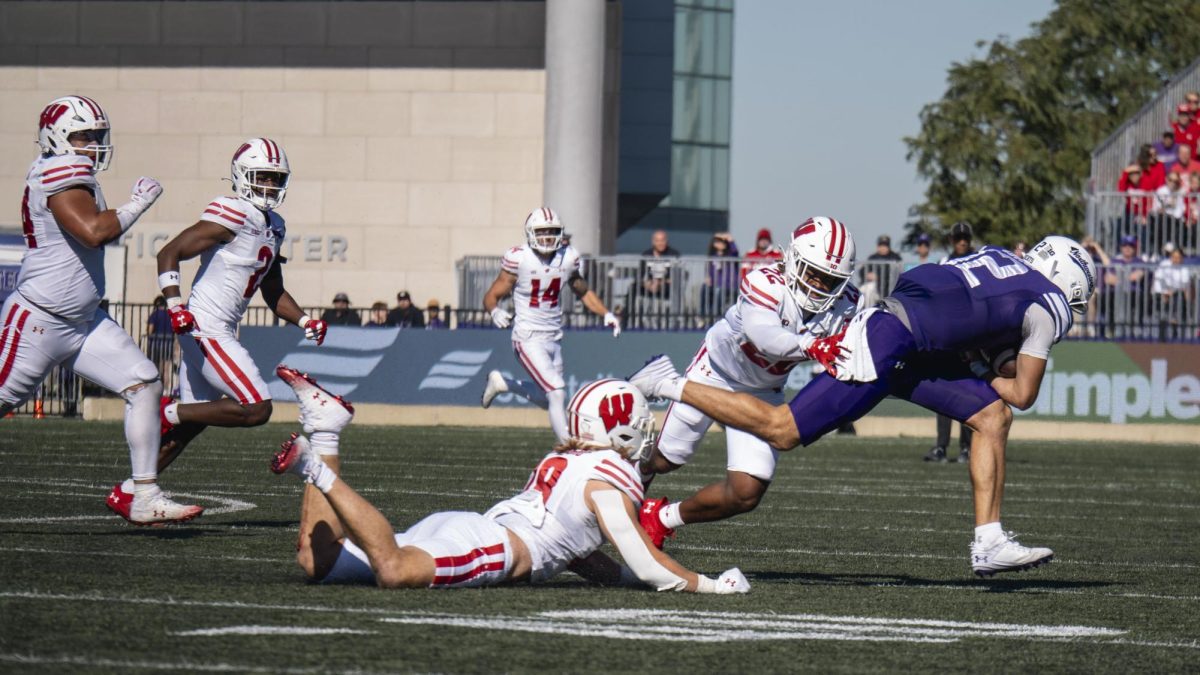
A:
(303, 320)
(168, 279)
(705, 585)
(174, 302)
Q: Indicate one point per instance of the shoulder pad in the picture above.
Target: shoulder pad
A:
(512, 259)
(227, 211)
(763, 287)
(620, 477)
(65, 171)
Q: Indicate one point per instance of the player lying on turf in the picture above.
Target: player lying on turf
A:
(906, 348)
(238, 240)
(54, 316)
(778, 318)
(581, 494)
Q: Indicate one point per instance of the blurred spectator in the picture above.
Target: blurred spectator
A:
(765, 253)
(884, 262)
(923, 243)
(1184, 127)
(160, 338)
(1154, 172)
(1191, 214)
(961, 237)
(405, 315)
(1018, 247)
(1137, 205)
(1172, 290)
(1100, 258)
(379, 315)
(1166, 148)
(1170, 198)
(656, 280)
(341, 314)
(434, 321)
(1192, 100)
(1186, 163)
(720, 277)
(1123, 284)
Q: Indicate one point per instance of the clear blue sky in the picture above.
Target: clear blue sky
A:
(823, 93)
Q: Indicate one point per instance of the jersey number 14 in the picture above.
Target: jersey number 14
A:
(550, 297)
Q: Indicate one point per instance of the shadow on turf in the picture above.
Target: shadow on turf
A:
(994, 585)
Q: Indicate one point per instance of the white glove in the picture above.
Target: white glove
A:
(732, 581)
(145, 192)
(611, 321)
(501, 318)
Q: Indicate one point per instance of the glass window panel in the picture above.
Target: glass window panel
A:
(720, 177)
(722, 46)
(722, 116)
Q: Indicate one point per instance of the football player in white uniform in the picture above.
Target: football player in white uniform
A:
(582, 493)
(54, 317)
(778, 319)
(238, 240)
(534, 274)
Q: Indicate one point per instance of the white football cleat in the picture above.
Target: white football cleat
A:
(319, 409)
(159, 509)
(1006, 555)
(655, 376)
(495, 386)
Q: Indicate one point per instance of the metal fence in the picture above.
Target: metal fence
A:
(1155, 219)
(1114, 153)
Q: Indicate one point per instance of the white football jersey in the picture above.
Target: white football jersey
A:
(540, 282)
(739, 360)
(59, 274)
(231, 273)
(551, 516)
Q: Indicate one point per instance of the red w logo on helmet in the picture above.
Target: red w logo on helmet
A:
(51, 114)
(617, 409)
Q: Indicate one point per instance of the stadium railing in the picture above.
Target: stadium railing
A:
(1114, 215)
(1138, 301)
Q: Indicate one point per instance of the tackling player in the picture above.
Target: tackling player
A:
(775, 324)
(238, 239)
(534, 274)
(909, 350)
(53, 317)
(582, 493)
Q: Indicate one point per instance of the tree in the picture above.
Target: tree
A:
(1008, 146)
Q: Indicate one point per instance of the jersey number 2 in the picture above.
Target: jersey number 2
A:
(266, 255)
(550, 297)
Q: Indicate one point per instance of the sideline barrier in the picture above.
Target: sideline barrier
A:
(1091, 382)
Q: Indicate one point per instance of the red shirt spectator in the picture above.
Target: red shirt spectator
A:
(1186, 128)
(1134, 180)
(765, 253)
(1187, 163)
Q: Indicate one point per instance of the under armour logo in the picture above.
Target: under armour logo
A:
(899, 365)
(980, 558)
(38, 329)
(160, 514)
(317, 397)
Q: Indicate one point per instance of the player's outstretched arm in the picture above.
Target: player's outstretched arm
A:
(75, 211)
(593, 302)
(618, 520)
(285, 306)
(187, 245)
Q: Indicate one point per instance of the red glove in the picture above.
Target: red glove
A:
(826, 351)
(182, 320)
(314, 329)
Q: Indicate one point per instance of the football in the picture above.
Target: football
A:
(1003, 362)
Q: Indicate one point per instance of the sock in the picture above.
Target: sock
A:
(988, 533)
(669, 516)
(127, 486)
(324, 442)
(171, 412)
(529, 391)
(557, 400)
(321, 476)
(142, 429)
(672, 389)
(145, 489)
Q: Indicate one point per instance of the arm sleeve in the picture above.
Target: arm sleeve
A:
(763, 328)
(610, 509)
(1038, 332)
(67, 171)
(229, 213)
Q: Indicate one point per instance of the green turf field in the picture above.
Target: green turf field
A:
(858, 560)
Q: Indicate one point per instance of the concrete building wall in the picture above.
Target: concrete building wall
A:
(414, 129)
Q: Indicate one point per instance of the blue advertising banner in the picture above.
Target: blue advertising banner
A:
(8, 280)
(438, 367)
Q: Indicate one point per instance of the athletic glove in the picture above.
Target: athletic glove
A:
(828, 351)
(501, 318)
(314, 329)
(145, 192)
(611, 321)
(182, 321)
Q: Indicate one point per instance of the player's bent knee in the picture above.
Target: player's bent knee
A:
(405, 568)
(258, 414)
(744, 492)
(146, 372)
(997, 417)
(782, 434)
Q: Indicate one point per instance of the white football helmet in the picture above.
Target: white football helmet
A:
(612, 413)
(71, 114)
(255, 164)
(543, 230)
(820, 247)
(1064, 262)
